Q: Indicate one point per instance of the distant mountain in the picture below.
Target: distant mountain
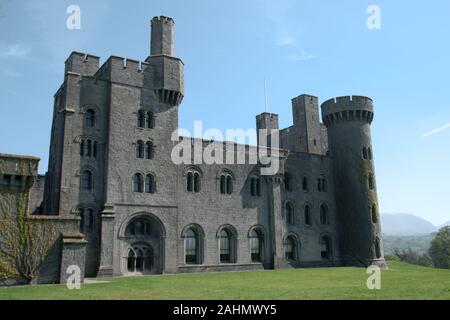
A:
(444, 225)
(403, 224)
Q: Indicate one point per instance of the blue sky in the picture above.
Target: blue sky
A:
(306, 46)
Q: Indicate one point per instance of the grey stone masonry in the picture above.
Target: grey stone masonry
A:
(111, 167)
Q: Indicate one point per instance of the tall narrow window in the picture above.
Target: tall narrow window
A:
(319, 184)
(289, 213)
(289, 249)
(225, 246)
(86, 181)
(196, 182)
(223, 186)
(137, 183)
(149, 150)
(82, 148)
(89, 118)
(305, 186)
(255, 246)
(131, 260)
(140, 149)
(141, 119)
(150, 184)
(229, 185)
(191, 246)
(325, 247)
(307, 215)
(364, 152)
(150, 120)
(324, 214)
(371, 182)
(288, 181)
(190, 182)
(374, 213)
(377, 248)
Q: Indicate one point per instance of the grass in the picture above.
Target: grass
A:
(401, 281)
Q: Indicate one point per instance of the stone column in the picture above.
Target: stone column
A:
(106, 242)
(73, 253)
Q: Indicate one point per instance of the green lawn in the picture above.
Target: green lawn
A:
(401, 281)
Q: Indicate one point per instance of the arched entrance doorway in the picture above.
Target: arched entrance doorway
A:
(140, 258)
(143, 245)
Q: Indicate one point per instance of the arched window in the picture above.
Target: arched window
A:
(137, 183)
(225, 244)
(307, 215)
(140, 149)
(82, 148)
(324, 214)
(89, 118)
(305, 186)
(149, 150)
(325, 247)
(374, 213)
(196, 182)
(191, 246)
(86, 180)
(289, 213)
(290, 249)
(138, 227)
(193, 181)
(141, 119)
(364, 152)
(226, 183)
(377, 248)
(150, 185)
(371, 182)
(256, 245)
(190, 182)
(150, 120)
(288, 185)
(131, 260)
(139, 259)
(223, 187)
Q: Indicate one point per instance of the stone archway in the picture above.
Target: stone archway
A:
(142, 245)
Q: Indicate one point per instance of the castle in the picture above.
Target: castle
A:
(122, 206)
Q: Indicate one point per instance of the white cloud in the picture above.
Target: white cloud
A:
(13, 50)
(286, 41)
(302, 56)
(436, 130)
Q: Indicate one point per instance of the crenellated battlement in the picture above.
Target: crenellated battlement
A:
(163, 19)
(347, 108)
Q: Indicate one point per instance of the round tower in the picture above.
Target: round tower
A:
(348, 121)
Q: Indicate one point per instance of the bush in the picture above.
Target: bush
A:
(440, 249)
(391, 257)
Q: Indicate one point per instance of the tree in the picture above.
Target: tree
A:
(24, 242)
(440, 248)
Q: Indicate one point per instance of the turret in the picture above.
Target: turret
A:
(162, 36)
(268, 121)
(348, 121)
(167, 70)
